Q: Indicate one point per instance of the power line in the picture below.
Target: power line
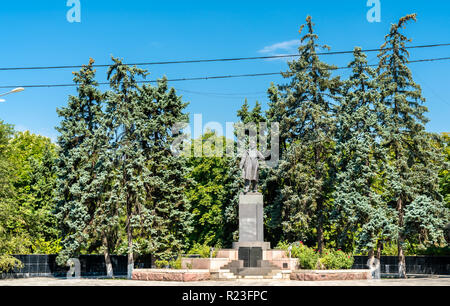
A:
(154, 81)
(222, 94)
(214, 60)
(205, 78)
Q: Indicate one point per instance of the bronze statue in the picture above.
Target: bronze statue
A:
(250, 165)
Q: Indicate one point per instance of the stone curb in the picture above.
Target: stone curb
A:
(328, 275)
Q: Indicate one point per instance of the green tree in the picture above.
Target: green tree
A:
(149, 179)
(304, 107)
(125, 116)
(12, 239)
(413, 163)
(213, 194)
(359, 208)
(166, 188)
(34, 157)
(81, 173)
(445, 173)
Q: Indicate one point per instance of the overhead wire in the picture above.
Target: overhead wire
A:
(203, 78)
(171, 62)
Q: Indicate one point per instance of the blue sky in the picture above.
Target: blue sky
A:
(37, 33)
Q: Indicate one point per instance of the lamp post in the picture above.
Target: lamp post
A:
(15, 90)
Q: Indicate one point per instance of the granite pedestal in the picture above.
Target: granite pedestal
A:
(251, 229)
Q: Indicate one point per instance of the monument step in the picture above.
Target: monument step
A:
(251, 276)
(223, 275)
(228, 276)
(235, 264)
(254, 271)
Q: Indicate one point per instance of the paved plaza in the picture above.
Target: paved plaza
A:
(441, 281)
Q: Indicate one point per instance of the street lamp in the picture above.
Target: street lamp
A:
(15, 90)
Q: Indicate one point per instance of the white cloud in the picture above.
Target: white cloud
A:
(285, 46)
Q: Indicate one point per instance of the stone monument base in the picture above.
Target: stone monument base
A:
(254, 244)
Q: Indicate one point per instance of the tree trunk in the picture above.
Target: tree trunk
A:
(319, 210)
(401, 258)
(379, 247)
(320, 238)
(401, 240)
(371, 256)
(130, 263)
(371, 262)
(374, 265)
(109, 267)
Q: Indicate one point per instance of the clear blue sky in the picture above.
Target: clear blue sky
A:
(36, 33)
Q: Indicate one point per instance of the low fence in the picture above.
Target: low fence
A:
(90, 266)
(432, 265)
(94, 265)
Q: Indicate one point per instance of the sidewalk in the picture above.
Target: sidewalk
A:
(443, 281)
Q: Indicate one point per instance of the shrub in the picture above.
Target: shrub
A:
(283, 245)
(7, 263)
(203, 250)
(391, 249)
(434, 250)
(175, 264)
(307, 257)
(336, 260)
(172, 264)
(161, 264)
(310, 259)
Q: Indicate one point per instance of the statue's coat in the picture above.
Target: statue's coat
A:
(250, 165)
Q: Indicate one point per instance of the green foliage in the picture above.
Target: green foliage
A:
(203, 250)
(8, 263)
(169, 264)
(357, 168)
(303, 107)
(282, 245)
(34, 157)
(434, 251)
(120, 188)
(413, 161)
(445, 172)
(336, 260)
(391, 249)
(42, 246)
(213, 192)
(359, 210)
(414, 249)
(149, 180)
(312, 259)
(27, 181)
(161, 264)
(372, 174)
(307, 257)
(81, 172)
(12, 239)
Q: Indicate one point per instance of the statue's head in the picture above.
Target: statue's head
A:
(252, 145)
